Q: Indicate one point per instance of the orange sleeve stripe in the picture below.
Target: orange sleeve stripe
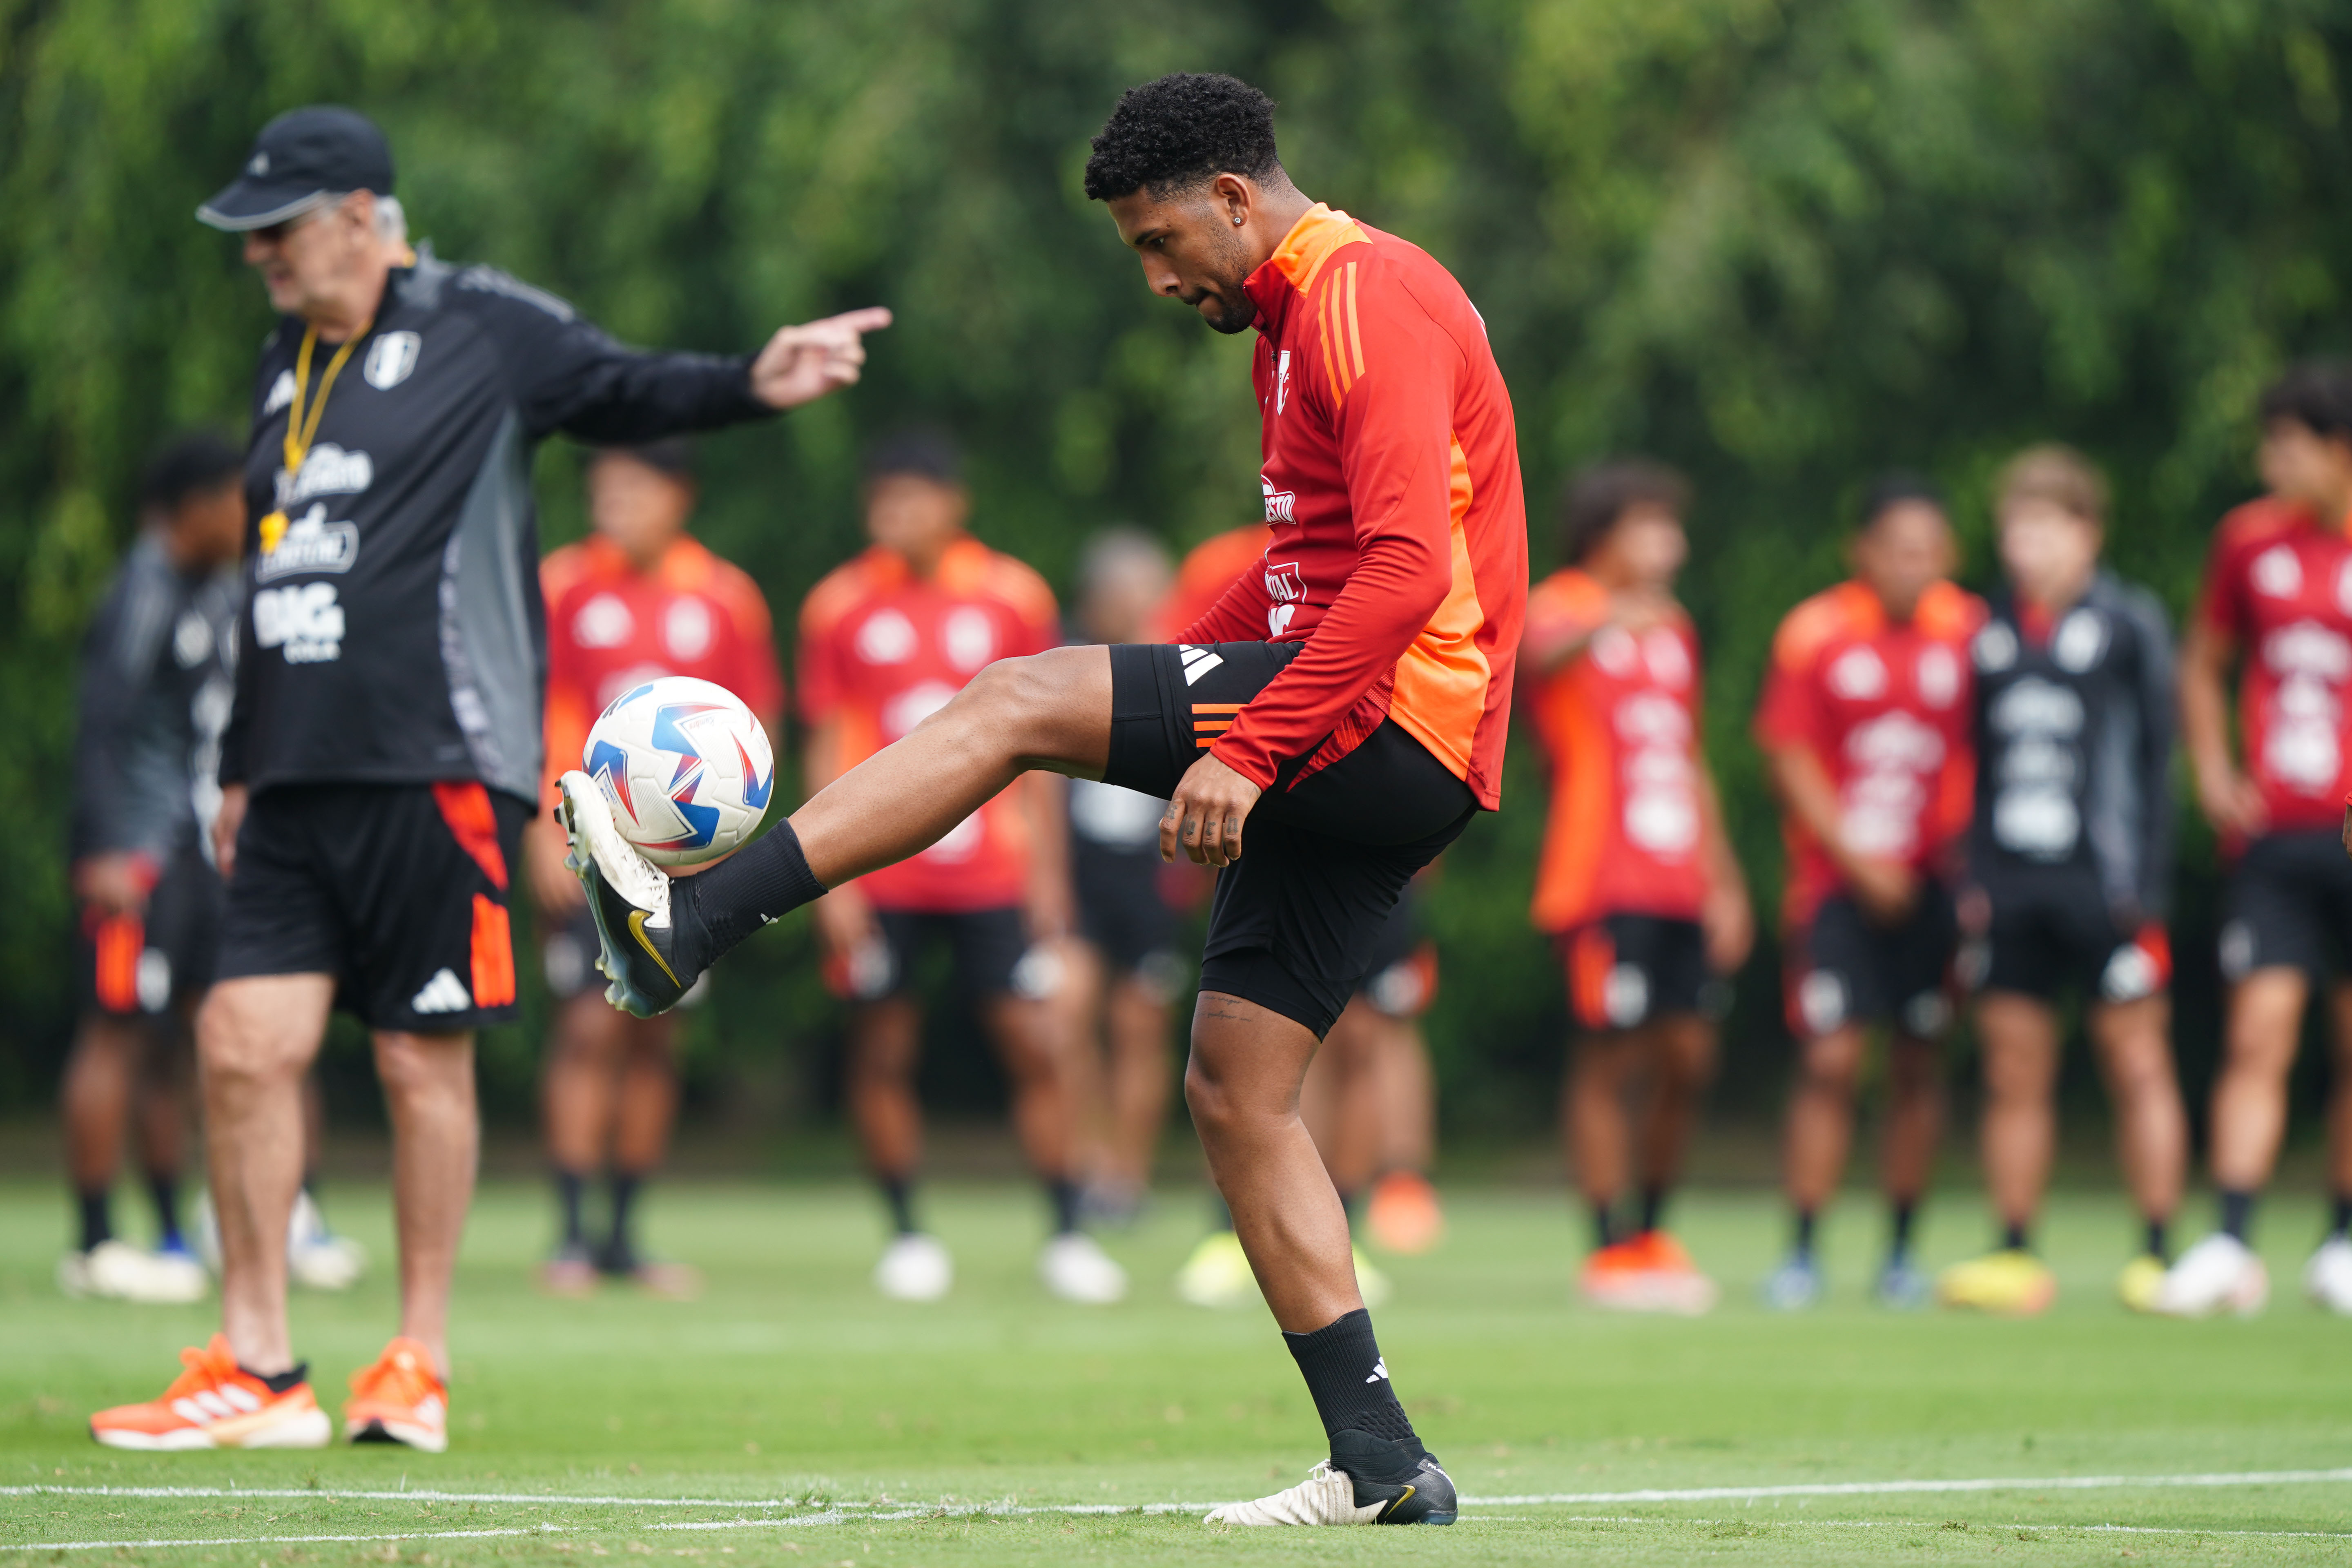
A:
(1331, 374)
(1355, 337)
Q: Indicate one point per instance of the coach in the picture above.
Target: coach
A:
(383, 750)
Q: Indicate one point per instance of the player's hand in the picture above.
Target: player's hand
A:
(1973, 908)
(802, 364)
(226, 822)
(1727, 923)
(553, 888)
(1204, 816)
(115, 883)
(1051, 909)
(2232, 802)
(845, 922)
(1886, 889)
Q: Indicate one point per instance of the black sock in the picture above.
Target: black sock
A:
(2339, 1222)
(898, 1192)
(569, 1186)
(2237, 1213)
(163, 1191)
(1898, 1243)
(767, 878)
(1803, 1244)
(1062, 1194)
(2156, 1247)
(1653, 1206)
(1604, 1227)
(620, 1250)
(2013, 1238)
(1347, 1378)
(279, 1381)
(97, 1217)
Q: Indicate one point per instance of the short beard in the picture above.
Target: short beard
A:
(1228, 273)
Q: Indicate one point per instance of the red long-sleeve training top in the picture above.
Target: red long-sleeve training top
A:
(1391, 484)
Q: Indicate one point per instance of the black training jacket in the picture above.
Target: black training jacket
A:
(156, 692)
(2074, 747)
(396, 634)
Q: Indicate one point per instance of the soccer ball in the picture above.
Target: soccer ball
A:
(686, 767)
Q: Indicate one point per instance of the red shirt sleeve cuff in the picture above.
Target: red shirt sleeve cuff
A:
(1248, 764)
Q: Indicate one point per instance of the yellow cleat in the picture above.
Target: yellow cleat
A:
(1218, 1273)
(1370, 1283)
(2010, 1283)
(2139, 1281)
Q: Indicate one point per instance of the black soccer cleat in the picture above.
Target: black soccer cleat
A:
(1411, 1489)
(642, 952)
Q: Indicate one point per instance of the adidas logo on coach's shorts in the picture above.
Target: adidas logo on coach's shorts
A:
(444, 992)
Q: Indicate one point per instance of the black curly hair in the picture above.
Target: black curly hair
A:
(2315, 394)
(1180, 130)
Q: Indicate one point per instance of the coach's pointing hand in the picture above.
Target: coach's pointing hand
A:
(802, 364)
(1205, 814)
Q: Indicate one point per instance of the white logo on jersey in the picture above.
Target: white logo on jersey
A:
(887, 637)
(444, 992)
(1284, 586)
(2082, 639)
(282, 393)
(1198, 661)
(1939, 675)
(1857, 675)
(967, 639)
(328, 470)
(2344, 588)
(1278, 503)
(1281, 382)
(914, 705)
(603, 622)
(2277, 572)
(303, 618)
(390, 359)
(1668, 658)
(1995, 649)
(191, 639)
(311, 545)
(685, 628)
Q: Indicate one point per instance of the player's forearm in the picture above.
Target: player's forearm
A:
(1720, 861)
(1399, 583)
(1805, 791)
(616, 397)
(2205, 707)
(1238, 614)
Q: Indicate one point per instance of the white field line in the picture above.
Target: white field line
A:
(834, 1516)
(1526, 1500)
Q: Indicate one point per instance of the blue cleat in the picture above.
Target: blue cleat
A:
(1795, 1284)
(1903, 1286)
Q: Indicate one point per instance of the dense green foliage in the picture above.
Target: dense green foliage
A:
(1781, 245)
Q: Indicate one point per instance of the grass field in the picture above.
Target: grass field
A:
(825, 1428)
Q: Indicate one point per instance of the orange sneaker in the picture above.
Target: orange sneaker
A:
(400, 1399)
(1648, 1273)
(1404, 1215)
(216, 1403)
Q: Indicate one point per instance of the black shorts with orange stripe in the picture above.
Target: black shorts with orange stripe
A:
(1296, 922)
(1626, 970)
(140, 966)
(399, 891)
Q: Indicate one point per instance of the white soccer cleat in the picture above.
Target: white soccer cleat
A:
(2220, 1274)
(1074, 1269)
(914, 1268)
(316, 1257)
(115, 1271)
(1325, 1497)
(2327, 1278)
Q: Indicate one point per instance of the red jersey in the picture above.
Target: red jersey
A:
(1619, 720)
(1210, 568)
(1391, 484)
(610, 627)
(2279, 586)
(882, 650)
(1885, 707)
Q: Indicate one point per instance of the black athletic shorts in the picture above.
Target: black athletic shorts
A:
(2290, 906)
(2055, 930)
(1403, 981)
(397, 890)
(1846, 969)
(986, 945)
(1296, 919)
(135, 965)
(1120, 910)
(1625, 970)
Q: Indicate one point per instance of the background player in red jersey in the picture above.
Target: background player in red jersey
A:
(2278, 604)
(636, 599)
(1638, 885)
(1865, 723)
(885, 641)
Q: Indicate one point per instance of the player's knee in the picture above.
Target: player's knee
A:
(1210, 1097)
(417, 1069)
(1831, 1065)
(238, 1044)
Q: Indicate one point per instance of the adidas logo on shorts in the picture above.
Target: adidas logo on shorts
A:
(444, 992)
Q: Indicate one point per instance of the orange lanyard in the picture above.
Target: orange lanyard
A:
(301, 432)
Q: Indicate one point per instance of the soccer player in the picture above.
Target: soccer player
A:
(1321, 734)
(2277, 603)
(1865, 725)
(1126, 970)
(383, 752)
(636, 599)
(156, 687)
(1638, 888)
(2069, 866)
(885, 641)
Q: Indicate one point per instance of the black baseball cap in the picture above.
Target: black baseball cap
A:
(299, 159)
